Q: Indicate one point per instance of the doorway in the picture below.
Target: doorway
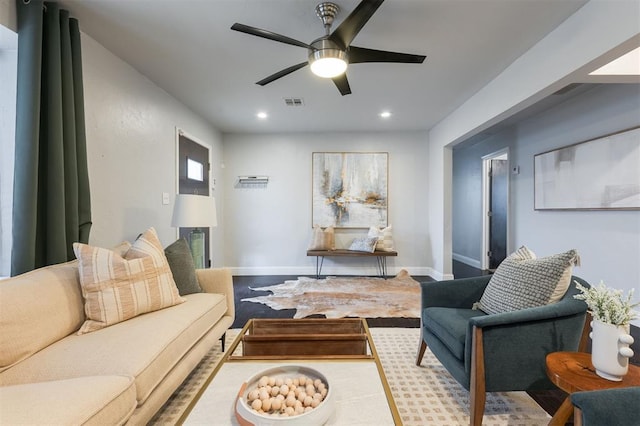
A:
(194, 166)
(495, 227)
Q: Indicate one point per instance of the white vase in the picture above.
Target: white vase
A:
(610, 351)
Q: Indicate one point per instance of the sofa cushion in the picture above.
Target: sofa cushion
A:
(182, 267)
(38, 308)
(522, 281)
(97, 400)
(322, 239)
(117, 288)
(146, 347)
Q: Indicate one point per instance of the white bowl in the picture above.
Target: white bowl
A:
(318, 416)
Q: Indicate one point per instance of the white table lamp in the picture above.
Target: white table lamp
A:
(195, 211)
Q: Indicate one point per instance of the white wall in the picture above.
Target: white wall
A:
(598, 32)
(131, 143)
(268, 229)
(8, 73)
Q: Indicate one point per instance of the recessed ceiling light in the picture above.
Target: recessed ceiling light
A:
(385, 114)
(262, 115)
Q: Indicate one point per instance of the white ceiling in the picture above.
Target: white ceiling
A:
(187, 48)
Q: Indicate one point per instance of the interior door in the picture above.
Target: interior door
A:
(498, 177)
(193, 178)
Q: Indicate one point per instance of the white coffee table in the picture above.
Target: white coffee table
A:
(361, 392)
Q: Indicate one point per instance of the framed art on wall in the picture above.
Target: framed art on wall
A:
(349, 189)
(598, 174)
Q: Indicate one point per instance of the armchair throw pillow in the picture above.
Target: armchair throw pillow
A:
(117, 288)
(322, 239)
(522, 281)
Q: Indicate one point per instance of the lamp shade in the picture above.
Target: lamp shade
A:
(192, 211)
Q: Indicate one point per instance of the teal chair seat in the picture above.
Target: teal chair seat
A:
(499, 352)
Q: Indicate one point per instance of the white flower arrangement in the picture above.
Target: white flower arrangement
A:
(608, 305)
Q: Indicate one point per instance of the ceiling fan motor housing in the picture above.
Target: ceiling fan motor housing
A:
(326, 48)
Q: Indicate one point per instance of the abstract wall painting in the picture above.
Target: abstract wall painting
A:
(598, 174)
(350, 189)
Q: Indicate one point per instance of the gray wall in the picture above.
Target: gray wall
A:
(467, 195)
(608, 241)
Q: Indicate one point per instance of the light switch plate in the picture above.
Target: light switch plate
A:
(165, 198)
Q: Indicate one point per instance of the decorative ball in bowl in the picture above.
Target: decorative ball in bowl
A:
(286, 395)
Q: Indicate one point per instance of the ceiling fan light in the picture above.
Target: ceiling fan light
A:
(328, 63)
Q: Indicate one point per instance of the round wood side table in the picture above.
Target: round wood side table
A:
(573, 372)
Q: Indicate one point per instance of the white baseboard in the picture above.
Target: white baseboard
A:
(467, 260)
(439, 276)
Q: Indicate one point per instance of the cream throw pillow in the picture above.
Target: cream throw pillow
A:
(322, 239)
(116, 288)
(385, 238)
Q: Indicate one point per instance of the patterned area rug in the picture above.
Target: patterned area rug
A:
(425, 395)
(346, 297)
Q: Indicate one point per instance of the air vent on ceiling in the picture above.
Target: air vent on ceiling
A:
(294, 102)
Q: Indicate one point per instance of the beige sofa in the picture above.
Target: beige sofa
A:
(121, 374)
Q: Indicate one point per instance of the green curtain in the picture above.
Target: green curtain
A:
(51, 202)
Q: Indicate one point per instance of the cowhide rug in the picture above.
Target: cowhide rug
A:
(346, 297)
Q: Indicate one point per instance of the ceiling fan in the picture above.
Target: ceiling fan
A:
(329, 55)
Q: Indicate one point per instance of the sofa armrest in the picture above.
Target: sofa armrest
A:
(460, 293)
(218, 280)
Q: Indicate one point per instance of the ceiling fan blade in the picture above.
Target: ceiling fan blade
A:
(282, 73)
(351, 26)
(342, 84)
(359, 55)
(269, 35)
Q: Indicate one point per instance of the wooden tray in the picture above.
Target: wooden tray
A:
(309, 337)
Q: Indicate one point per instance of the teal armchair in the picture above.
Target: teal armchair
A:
(500, 352)
(618, 406)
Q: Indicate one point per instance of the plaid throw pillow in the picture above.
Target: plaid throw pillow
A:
(117, 288)
(522, 281)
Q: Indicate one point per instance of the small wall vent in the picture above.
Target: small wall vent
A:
(294, 102)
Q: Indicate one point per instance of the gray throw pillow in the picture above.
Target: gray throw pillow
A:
(367, 244)
(522, 281)
(182, 267)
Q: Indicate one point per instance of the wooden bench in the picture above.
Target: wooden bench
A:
(381, 256)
